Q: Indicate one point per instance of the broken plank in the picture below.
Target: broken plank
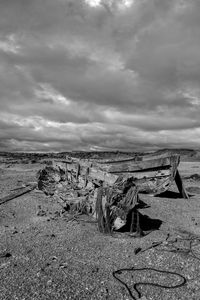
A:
(24, 186)
(18, 188)
(16, 194)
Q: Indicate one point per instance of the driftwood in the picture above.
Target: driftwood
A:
(16, 194)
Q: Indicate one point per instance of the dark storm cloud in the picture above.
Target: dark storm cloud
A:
(115, 74)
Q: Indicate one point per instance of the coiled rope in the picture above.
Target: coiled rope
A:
(180, 250)
(135, 287)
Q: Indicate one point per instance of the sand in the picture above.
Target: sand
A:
(53, 258)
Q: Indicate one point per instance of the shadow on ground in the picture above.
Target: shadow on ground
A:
(149, 224)
(169, 194)
(176, 195)
(145, 222)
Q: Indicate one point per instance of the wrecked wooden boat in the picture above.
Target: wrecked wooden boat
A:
(108, 189)
(152, 174)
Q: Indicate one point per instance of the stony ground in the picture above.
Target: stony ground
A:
(46, 256)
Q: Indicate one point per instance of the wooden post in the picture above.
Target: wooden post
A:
(77, 171)
(99, 211)
(66, 172)
(135, 223)
(139, 232)
(86, 176)
(180, 185)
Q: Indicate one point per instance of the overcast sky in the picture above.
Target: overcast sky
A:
(99, 75)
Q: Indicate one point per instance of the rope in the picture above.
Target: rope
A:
(188, 251)
(135, 287)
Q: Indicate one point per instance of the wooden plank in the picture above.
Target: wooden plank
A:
(148, 174)
(136, 158)
(16, 194)
(132, 166)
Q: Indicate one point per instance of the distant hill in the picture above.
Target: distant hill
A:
(186, 154)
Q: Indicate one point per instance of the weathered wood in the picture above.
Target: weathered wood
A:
(77, 171)
(86, 176)
(136, 158)
(82, 204)
(99, 174)
(104, 176)
(153, 180)
(24, 186)
(93, 173)
(148, 174)
(180, 185)
(154, 187)
(153, 173)
(75, 200)
(14, 195)
(109, 211)
(18, 188)
(135, 223)
(130, 166)
(133, 166)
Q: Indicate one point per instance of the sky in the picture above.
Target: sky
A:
(99, 75)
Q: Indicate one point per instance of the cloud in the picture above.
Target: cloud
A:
(99, 74)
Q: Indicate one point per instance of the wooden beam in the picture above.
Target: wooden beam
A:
(16, 194)
(180, 185)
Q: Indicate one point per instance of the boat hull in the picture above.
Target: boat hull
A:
(153, 175)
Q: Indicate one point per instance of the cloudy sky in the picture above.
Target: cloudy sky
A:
(99, 75)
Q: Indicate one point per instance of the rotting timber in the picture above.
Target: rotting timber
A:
(108, 189)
